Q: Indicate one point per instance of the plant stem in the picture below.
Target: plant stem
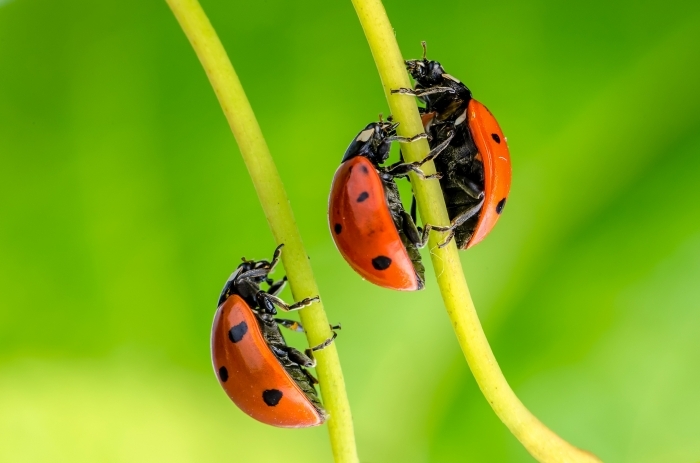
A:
(273, 198)
(539, 440)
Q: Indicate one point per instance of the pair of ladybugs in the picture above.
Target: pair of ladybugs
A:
(266, 378)
(373, 232)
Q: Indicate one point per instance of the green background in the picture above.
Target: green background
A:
(124, 206)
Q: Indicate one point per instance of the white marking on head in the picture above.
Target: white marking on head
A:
(454, 79)
(461, 118)
(365, 135)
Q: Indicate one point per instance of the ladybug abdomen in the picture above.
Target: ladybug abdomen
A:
(250, 373)
(363, 229)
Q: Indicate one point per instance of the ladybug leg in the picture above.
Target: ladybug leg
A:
(462, 217)
(300, 358)
(276, 287)
(467, 213)
(435, 152)
(306, 359)
(262, 267)
(414, 210)
(447, 240)
(325, 343)
(292, 325)
(272, 299)
(400, 139)
(469, 188)
(415, 234)
(310, 351)
(423, 91)
(401, 169)
(275, 257)
(312, 378)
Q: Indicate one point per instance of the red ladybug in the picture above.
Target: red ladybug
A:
(263, 376)
(475, 167)
(368, 222)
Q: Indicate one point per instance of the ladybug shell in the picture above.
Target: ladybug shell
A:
(493, 152)
(363, 229)
(250, 373)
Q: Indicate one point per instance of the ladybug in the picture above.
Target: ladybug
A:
(475, 166)
(369, 225)
(260, 373)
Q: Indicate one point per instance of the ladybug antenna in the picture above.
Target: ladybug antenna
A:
(425, 49)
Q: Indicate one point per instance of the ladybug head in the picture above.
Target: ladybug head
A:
(246, 279)
(425, 72)
(372, 142)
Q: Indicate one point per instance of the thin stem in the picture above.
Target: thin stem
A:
(539, 440)
(273, 198)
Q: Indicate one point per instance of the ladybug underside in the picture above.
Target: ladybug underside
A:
(396, 209)
(462, 172)
(273, 336)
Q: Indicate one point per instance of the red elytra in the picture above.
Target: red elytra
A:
(363, 229)
(252, 376)
(494, 154)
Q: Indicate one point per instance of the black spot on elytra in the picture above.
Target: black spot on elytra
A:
(496, 138)
(364, 195)
(236, 333)
(223, 374)
(364, 169)
(381, 262)
(338, 228)
(501, 204)
(272, 397)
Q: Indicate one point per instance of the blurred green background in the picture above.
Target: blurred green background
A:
(124, 206)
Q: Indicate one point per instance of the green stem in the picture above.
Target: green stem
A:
(539, 440)
(273, 198)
